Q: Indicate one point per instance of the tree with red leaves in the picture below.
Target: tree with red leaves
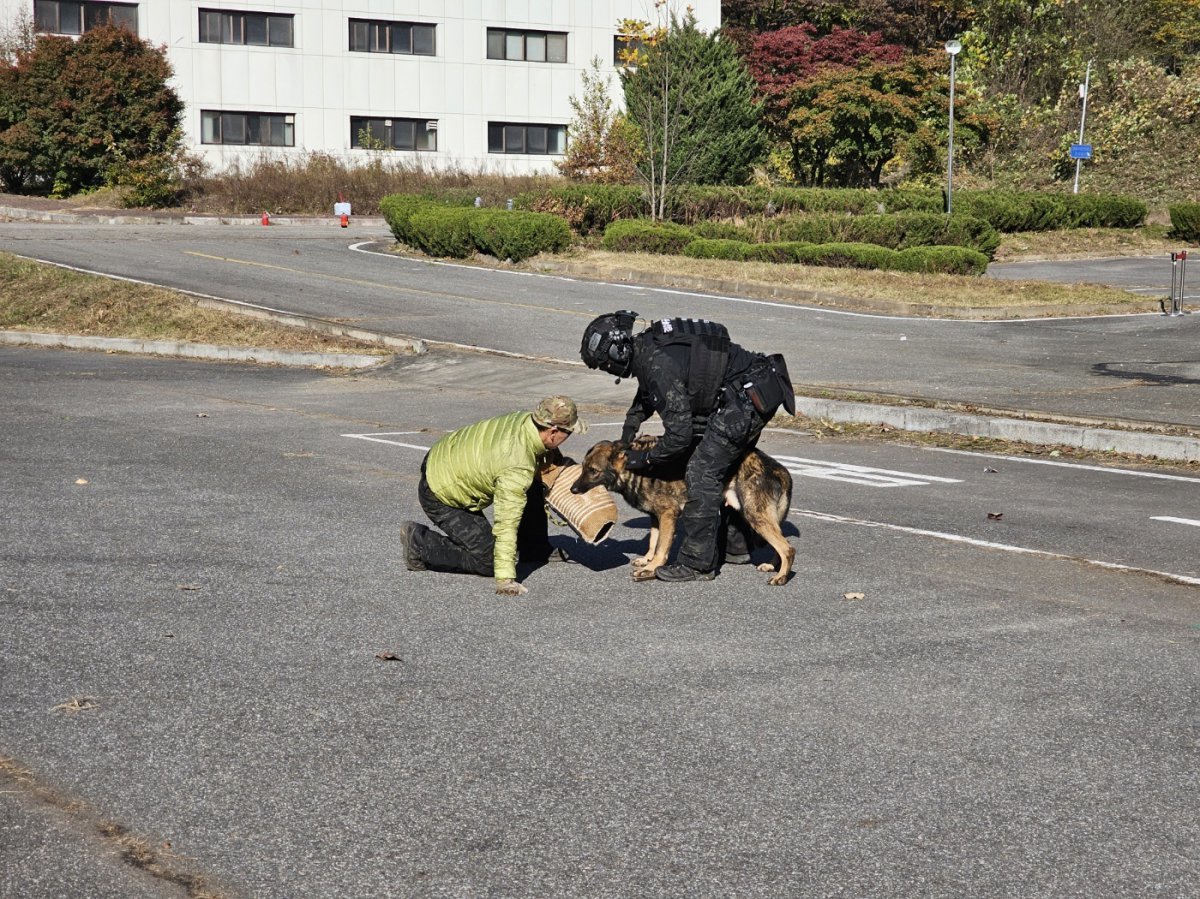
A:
(80, 114)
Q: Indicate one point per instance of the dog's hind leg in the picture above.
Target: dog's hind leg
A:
(770, 528)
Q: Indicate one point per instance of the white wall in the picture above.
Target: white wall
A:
(323, 84)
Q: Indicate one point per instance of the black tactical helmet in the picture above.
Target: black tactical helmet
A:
(608, 343)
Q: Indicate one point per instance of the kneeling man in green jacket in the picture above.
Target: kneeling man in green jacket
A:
(490, 463)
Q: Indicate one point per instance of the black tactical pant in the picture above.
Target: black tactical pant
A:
(732, 431)
(468, 545)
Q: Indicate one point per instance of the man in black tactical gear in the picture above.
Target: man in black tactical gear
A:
(713, 397)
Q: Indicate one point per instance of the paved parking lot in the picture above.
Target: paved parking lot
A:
(216, 598)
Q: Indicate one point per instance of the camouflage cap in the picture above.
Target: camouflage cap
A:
(559, 412)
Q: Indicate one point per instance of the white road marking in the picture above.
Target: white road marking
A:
(808, 468)
(1100, 468)
(989, 544)
(858, 474)
(1193, 522)
(381, 438)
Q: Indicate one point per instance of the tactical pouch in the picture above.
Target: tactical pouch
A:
(771, 388)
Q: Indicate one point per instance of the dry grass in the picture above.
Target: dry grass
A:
(37, 297)
(1084, 243)
(888, 291)
(309, 185)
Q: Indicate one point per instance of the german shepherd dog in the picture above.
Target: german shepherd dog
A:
(760, 488)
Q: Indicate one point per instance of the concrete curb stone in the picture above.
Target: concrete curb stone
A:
(186, 349)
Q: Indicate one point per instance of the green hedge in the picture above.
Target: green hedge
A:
(587, 208)
(941, 260)
(717, 248)
(928, 260)
(442, 231)
(1185, 221)
(644, 236)
(896, 231)
(518, 235)
(453, 227)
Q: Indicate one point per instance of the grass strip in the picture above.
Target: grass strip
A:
(38, 297)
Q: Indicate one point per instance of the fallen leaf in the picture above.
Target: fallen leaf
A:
(75, 704)
(202, 415)
(80, 481)
(388, 657)
(854, 596)
(995, 516)
(189, 586)
(989, 471)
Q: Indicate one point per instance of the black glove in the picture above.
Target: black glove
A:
(637, 460)
(628, 435)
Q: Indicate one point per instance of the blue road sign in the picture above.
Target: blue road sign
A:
(1081, 151)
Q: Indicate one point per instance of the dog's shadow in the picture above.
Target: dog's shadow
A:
(611, 553)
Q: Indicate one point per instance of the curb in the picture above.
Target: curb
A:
(184, 349)
(907, 418)
(117, 218)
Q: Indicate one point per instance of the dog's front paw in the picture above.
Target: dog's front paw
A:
(779, 580)
(640, 561)
(644, 574)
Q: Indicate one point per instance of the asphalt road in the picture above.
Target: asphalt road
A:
(1139, 368)
(1002, 713)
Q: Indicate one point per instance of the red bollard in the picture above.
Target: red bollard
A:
(266, 219)
(345, 221)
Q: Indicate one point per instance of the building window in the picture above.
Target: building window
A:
(257, 29)
(75, 17)
(531, 46)
(627, 49)
(258, 129)
(393, 134)
(542, 140)
(369, 36)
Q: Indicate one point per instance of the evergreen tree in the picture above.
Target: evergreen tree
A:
(691, 98)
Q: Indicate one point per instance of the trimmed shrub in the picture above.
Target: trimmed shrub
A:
(779, 253)
(847, 255)
(517, 235)
(645, 236)
(1185, 221)
(587, 208)
(940, 260)
(715, 248)
(397, 209)
(442, 231)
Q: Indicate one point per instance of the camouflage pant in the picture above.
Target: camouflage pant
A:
(732, 431)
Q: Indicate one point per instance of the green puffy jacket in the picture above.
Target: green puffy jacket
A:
(490, 462)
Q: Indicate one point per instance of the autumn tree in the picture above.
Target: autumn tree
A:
(844, 125)
(80, 114)
(604, 145)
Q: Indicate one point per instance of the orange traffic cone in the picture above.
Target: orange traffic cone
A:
(345, 221)
(266, 219)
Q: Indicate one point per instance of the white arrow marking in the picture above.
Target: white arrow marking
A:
(858, 474)
(1173, 520)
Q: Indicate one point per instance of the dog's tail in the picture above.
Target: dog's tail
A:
(779, 483)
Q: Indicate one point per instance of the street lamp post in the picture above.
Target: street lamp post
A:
(953, 48)
(1083, 95)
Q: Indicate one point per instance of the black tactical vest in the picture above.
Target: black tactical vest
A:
(708, 356)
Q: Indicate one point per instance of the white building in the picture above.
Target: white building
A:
(479, 85)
